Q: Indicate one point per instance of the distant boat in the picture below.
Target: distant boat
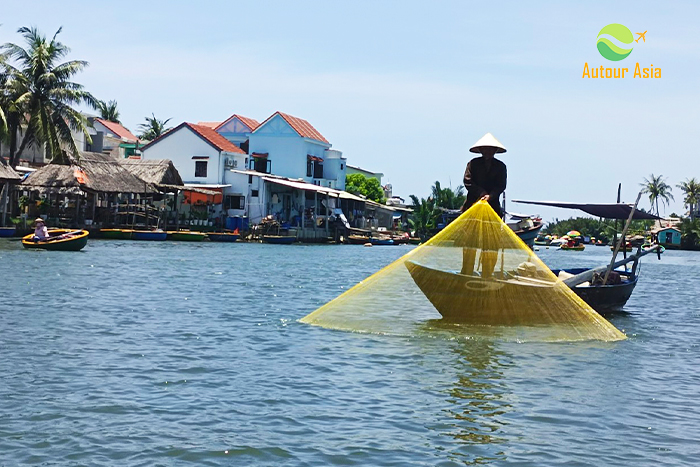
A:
(7, 231)
(59, 240)
(357, 239)
(381, 241)
(116, 234)
(223, 237)
(279, 239)
(150, 235)
(573, 248)
(186, 236)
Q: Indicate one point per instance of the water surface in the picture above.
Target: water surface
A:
(167, 353)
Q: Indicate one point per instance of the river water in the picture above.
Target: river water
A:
(169, 353)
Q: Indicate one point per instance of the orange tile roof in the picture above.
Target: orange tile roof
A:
(215, 138)
(204, 132)
(301, 126)
(249, 122)
(118, 130)
(211, 125)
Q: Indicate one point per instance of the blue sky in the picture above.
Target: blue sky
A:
(405, 88)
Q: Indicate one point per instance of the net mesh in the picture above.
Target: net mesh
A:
(477, 276)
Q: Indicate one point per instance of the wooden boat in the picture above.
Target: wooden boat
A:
(7, 232)
(527, 233)
(186, 236)
(223, 236)
(357, 239)
(473, 299)
(573, 248)
(400, 239)
(149, 235)
(381, 241)
(646, 246)
(604, 297)
(415, 241)
(626, 248)
(75, 242)
(279, 239)
(116, 234)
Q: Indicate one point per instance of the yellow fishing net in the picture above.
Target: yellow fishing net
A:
(477, 276)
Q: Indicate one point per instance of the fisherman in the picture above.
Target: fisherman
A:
(484, 179)
(41, 233)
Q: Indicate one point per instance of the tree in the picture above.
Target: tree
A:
(691, 189)
(422, 220)
(370, 188)
(447, 197)
(108, 111)
(40, 94)
(153, 128)
(657, 189)
(690, 233)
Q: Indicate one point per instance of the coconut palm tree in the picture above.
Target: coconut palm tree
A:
(153, 128)
(447, 197)
(42, 89)
(108, 111)
(657, 189)
(691, 188)
(422, 220)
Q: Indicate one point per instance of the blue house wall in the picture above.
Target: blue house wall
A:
(287, 151)
(235, 131)
(675, 237)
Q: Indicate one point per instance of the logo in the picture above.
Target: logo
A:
(609, 50)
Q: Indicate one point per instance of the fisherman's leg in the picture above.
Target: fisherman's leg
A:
(468, 260)
(488, 262)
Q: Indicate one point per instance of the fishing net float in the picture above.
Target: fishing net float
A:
(480, 278)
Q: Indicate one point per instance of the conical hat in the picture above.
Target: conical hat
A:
(488, 141)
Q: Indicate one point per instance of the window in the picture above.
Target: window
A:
(309, 167)
(200, 168)
(234, 202)
(250, 179)
(341, 166)
(318, 169)
(261, 164)
(254, 193)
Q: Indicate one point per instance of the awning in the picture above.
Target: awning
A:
(314, 158)
(311, 187)
(606, 210)
(260, 155)
(200, 157)
(206, 186)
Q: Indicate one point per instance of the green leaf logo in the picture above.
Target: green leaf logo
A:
(609, 50)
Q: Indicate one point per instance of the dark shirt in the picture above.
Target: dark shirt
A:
(480, 180)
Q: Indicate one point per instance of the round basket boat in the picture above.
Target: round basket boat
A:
(76, 241)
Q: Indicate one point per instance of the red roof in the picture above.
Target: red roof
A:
(207, 134)
(211, 125)
(118, 130)
(215, 138)
(301, 126)
(249, 122)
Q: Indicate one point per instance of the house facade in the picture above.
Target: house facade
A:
(670, 237)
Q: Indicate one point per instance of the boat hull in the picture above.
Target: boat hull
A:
(279, 239)
(7, 232)
(381, 241)
(357, 239)
(116, 234)
(75, 243)
(573, 248)
(147, 235)
(223, 237)
(471, 299)
(603, 297)
(186, 236)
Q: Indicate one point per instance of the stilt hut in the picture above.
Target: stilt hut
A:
(7, 176)
(90, 191)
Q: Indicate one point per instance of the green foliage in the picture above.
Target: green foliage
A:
(690, 233)
(370, 188)
(108, 111)
(153, 128)
(691, 189)
(428, 212)
(603, 229)
(37, 91)
(657, 189)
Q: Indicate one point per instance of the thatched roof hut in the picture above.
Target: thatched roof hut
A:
(156, 172)
(7, 174)
(93, 173)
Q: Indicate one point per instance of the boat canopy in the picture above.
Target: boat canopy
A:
(606, 210)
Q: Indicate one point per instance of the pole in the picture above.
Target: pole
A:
(5, 191)
(617, 246)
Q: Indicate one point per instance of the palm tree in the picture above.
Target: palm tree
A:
(108, 111)
(691, 188)
(657, 189)
(153, 128)
(41, 87)
(422, 220)
(447, 197)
